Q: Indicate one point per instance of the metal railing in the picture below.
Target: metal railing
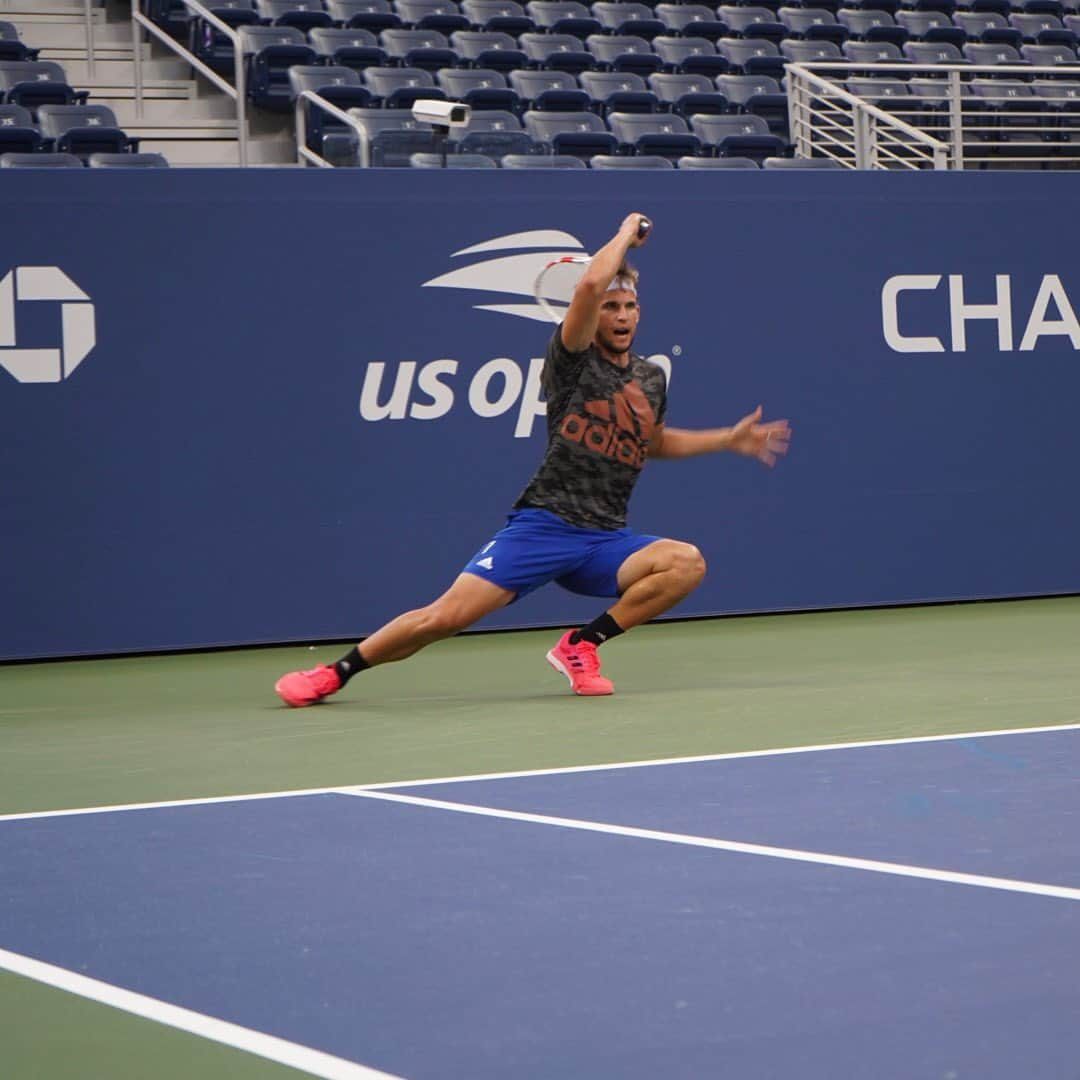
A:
(91, 67)
(981, 115)
(237, 91)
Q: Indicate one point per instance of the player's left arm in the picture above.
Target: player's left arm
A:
(765, 442)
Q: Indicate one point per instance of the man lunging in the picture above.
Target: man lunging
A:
(605, 416)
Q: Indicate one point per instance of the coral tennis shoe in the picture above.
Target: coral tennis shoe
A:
(580, 664)
(300, 688)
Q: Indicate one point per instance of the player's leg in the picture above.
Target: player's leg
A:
(468, 600)
(653, 577)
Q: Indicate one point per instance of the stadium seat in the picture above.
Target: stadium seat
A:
(493, 134)
(18, 132)
(339, 86)
(618, 91)
(692, 20)
(629, 18)
(810, 52)
(389, 137)
(664, 135)
(874, 52)
(813, 24)
(479, 88)
(690, 55)
(563, 17)
(638, 161)
(302, 14)
(985, 55)
(34, 83)
(372, 15)
(578, 134)
(1042, 29)
(752, 23)
(529, 85)
(489, 49)
(801, 163)
(399, 87)
(757, 95)
(271, 51)
(83, 130)
(757, 57)
(452, 161)
(39, 161)
(931, 26)
(11, 47)
(505, 16)
(127, 161)
(737, 136)
(542, 161)
(933, 52)
(1048, 55)
(872, 25)
(884, 93)
(711, 163)
(988, 27)
(443, 16)
(618, 52)
(327, 40)
(557, 52)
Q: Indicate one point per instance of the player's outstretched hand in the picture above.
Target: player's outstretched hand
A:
(638, 226)
(766, 442)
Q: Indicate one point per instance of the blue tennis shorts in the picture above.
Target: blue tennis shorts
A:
(536, 547)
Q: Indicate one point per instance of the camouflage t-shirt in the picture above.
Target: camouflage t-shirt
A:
(600, 418)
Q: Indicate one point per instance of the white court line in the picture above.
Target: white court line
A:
(1060, 892)
(559, 771)
(288, 1053)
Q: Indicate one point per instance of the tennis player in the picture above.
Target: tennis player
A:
(605, 416)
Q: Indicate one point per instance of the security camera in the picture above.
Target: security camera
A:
(441, 114)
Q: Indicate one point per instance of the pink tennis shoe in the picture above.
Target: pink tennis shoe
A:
(300, 688)
(580, 664)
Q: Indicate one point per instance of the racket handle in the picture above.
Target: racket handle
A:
(644, 225)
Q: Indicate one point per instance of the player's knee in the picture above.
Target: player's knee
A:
(689, 563)
(441, 620)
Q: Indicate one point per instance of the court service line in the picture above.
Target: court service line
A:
(271, 1047)
(1060, 892)
(556, 771)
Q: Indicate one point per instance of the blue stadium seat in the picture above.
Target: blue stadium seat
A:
(933, 52)
(671, 87)
(988, 27)
(34, 83)
(931, 26)
(664, 135)
(872, 25)
(557, 52)
(813, 24)
(479, 88)
(758, 95)
(638, 161)
(754, 57)
(809, 52)
(18, 132)
(493, 134)
(302, 14)
(578, 134)
(451, 161)
(529, 85)
(210, 44)
(83, 130)
(372, 15)
(270, 52)
(489, 49)
(618, 91)
(389, 137)
(1048, 55)
(730, 163)
(562, 101)
(692, 20)
(629, 18)
(443, 16)
(877, 52)
(1042, 29)
(801, 163)
(619, 52)
(128, 161)
(339, 86)
(542, 161)
(737, 136)
(11, 47)
(39, 161)
(884, 93)
(985, 55)
(399, 87)
(505, 16)
(690, 55)
(326, 41)
(752, 22)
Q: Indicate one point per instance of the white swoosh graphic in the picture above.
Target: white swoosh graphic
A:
(523, 311)
(514, 274)
(549, 238)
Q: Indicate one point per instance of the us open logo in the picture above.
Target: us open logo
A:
(78, 335)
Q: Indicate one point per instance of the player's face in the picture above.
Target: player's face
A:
(619, 314)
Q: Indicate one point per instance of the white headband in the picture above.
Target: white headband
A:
(622, 283)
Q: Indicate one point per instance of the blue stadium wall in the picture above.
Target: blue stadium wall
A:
(283, 431)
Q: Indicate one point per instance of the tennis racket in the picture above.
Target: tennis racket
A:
(555, 284)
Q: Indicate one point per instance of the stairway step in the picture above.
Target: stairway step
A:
(196, 112)
(122, 72)
(72, 35)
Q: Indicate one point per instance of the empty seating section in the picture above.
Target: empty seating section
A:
(46, 122)
(664, 83)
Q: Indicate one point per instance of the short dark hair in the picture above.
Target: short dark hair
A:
(629, 272)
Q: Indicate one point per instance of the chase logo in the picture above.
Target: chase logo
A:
(77, 322)
(514, 275)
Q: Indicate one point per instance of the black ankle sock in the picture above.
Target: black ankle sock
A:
(601, 629)
(352, 663)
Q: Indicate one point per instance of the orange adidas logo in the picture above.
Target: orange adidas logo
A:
(621, 433)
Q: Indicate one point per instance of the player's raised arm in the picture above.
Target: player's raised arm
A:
(579, 326)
